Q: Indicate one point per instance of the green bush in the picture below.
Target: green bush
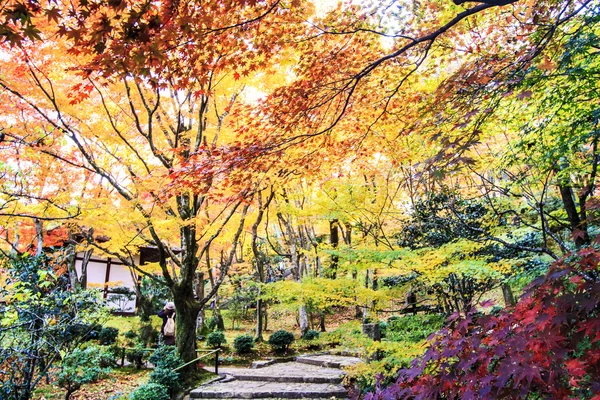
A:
(130, 334)
(83, 331)
(383, 326)
(108, 335)
(80, 367)
(215, 339)
(243, 344)
(109, 357)
(165, 360)
(311, 334)
(137, 355)
(281, 340)
(152, 391)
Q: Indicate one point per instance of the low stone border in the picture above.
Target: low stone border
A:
(262, 363)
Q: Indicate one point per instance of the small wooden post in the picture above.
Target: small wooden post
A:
(217, 361)
(123, 357)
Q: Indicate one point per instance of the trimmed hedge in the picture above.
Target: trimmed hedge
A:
(243, 344)
(281, 340)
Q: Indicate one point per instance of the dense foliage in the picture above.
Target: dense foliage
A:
(243, 344)
(300, 152)
(547, 346)
(42, 322)
(215, 339)
(311, 334)
(81, 367)
(412, 328)
(166, 360)
(150, 390)
(281, 340)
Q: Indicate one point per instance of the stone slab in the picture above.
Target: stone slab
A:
(256, 390)
(287, 372)
(328, 360)
(262, 363)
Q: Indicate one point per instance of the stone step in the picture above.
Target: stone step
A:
(327, 360)
(287, 372)
(236, 389)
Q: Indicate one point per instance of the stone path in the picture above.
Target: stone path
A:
(310, 376)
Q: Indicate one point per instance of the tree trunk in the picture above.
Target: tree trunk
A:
(509, 298)
(334, 240)
(258, 331)
(39, 234)
(575, 223)
(303, 319)
(357, 308)
(259, 262)
(201, 319)
(187, 313)
(375, 286)
(266, 318)
(71, 265)
(322, 321)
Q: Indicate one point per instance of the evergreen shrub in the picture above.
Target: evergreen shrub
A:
(311, 334)
(281, 340)
(81, 367)
(108, 336)
(154, 391)
(215, 339)
(165, 360)
(243, 344)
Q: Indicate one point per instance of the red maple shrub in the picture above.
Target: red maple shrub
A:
(546, 347)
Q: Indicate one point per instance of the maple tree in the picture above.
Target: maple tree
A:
(546, 346)
(120, 129)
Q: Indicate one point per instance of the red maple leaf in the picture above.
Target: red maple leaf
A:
(576, 367)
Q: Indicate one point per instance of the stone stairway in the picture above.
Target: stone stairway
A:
(308, 377)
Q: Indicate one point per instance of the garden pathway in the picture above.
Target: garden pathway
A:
(309, 376)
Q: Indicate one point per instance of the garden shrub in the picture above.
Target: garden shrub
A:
(215, 339)
(80, 367)
(109, 357)
(152, 391)
(311, 334)
(383, 326)
(215, 323)
(243, 344)
(130, 334)
(165, 360)
(211, 323)
(281, 340)
(137, 355)
(82, 330)
(108, 336)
